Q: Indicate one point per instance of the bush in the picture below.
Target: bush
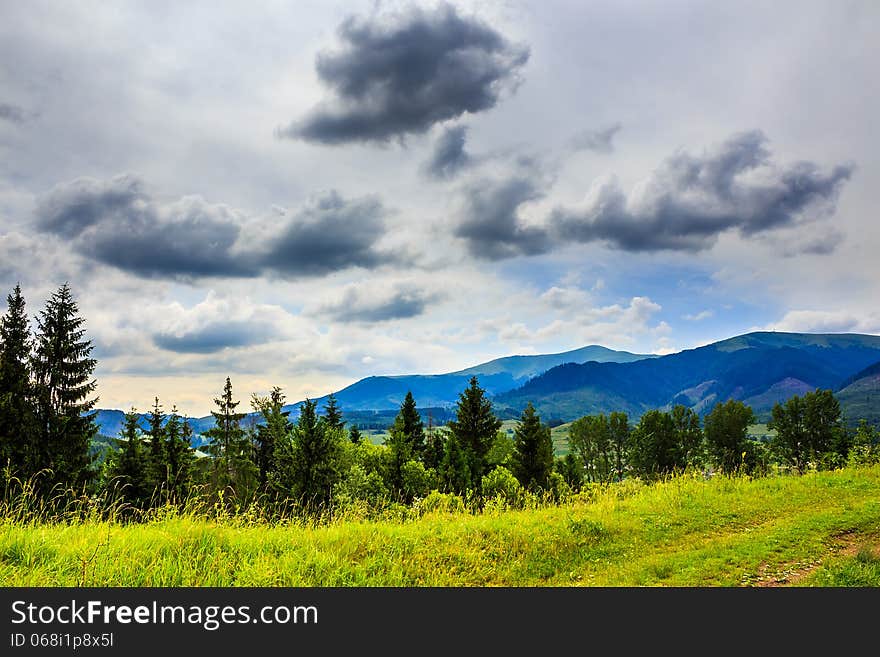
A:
(502, 486)
(417, 481)
(436, 501)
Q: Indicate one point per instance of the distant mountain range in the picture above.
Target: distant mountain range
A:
(759, 368)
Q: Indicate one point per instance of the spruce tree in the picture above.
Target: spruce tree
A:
(179, 456)
(474, 428)
(233, 464)
(354, 435)
(332, 414)
(533, 451)
(409, 423)
(17, 420)
(455, 470)
(156, 458)
(275, 427)
(128, 471)
(63, 371)
(308, 463)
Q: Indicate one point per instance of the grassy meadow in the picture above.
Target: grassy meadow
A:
(822, 529)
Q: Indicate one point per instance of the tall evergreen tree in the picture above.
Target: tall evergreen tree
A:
(308, 463)
(275, 427)
(533, 451)
(229, 446)
(179, 456)
(128, 470)
(474, 428)
(17, 420)
(63, 372)
(434, 446)
(156, 457)
(409, 423)
(455, 470)
(332, 413)
(354, 435)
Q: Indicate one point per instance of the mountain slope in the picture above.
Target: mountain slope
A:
(859, 395)
(496, 377)
(759, 368)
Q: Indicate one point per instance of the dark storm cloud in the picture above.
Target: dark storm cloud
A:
(12, 113)
(117, 223)
(402, 304)
(598, 141)
(215, 337)
(401, 75)
(690, 200)
(331, 234)
(449, 156)
(492, 227)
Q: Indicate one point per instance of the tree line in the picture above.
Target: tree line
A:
(316, 464)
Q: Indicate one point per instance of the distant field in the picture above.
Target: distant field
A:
(819, 529)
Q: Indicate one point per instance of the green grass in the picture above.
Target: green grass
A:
(682, 532)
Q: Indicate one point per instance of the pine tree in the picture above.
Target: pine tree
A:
(179, 456)
(474, 428)
(63, 371)
(533, 451)
(354, 435)
(332, 414)
(432, 457)
(230, 447)
(17, 420)
(156, 458)
(276, 425)
(308, 463)
(455, 470)
(409, 423)
(128, 471)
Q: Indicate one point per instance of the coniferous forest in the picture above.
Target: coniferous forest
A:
(315, 466)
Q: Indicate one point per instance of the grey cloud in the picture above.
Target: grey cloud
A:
(215, 337)
(402, 304)
(690, 200)
(492, 226)
(400, 76)
(329, 235)
(599, 141)
(117, 223)
(12, 113)
(449, 156)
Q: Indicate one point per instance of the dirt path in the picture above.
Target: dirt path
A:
(844, 544)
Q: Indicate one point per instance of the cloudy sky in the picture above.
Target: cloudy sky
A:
(305, 193)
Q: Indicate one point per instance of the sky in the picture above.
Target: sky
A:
(306, 193)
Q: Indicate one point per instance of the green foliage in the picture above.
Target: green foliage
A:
(619, 436)
(532, 459)
(18, 428)
(230, 448)
(416, 480)
(590, 438)
(726, 429)
(570, 468)
(308, 463)
(810, 430)
(62, 369)
(501, 485)
(865, 449)
(474, 428)
(332, 414)
(180, 457)
(501, 452)
(127, 469)
(656, 448)
(274, 429)
(354, 435)
(437, 502)
(455, 470)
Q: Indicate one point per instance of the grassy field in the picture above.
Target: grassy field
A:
(819, 529)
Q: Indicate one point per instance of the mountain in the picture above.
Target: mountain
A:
(759, 368)
(440, 390)
(376, 398)
(859, 395)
